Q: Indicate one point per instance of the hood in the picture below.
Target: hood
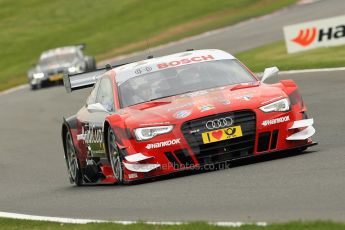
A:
(202, 103)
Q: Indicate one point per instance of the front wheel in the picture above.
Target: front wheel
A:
(73, 168)
(34, 86)
(115, 156)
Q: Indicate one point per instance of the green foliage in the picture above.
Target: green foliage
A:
(29, 27)
(11, 224)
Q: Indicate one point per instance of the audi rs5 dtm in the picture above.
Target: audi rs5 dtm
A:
(54, 63)
(177, 112)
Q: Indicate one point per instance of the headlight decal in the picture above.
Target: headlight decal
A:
(282, 105)
(148, 133)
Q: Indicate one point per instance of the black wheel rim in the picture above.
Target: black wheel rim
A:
(72, 161)
(114, 157)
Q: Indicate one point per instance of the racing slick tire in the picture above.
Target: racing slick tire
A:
(115, 156)
(90, 63)
(73, 166)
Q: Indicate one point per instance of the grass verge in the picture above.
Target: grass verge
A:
(10, 224)
(276, 55)
(109, 28)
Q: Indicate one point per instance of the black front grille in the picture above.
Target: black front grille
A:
(56, 71)
(184, 157)
(222, 150)
(274, 139)
(174, 162)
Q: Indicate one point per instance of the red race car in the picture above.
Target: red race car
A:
(178, 112)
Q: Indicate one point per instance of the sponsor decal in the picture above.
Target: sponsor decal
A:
(155, 123)
(276, 121)
(91, 136)
(182, 114)
(163, 144)
(222, 134)
(185, 61)
(245, 97)
(132, 175)
(194, 131)
(320, 33)
(225, 102)
(204, 108)
(305, 36)
(219, 123)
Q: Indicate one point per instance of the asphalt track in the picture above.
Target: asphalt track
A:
(33, 175)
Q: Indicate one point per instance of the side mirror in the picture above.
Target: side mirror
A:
(270, 72)
(97, 107)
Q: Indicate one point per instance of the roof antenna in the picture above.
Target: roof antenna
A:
(150, 55)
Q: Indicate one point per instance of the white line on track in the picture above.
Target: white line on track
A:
(287, 72)
(14, 89)
(86, 221)
(312, 70)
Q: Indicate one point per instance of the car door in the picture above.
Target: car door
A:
(99, 105)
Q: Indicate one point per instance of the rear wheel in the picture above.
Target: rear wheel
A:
(72, 161)
(115, 156)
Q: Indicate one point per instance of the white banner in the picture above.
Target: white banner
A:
(314, 34)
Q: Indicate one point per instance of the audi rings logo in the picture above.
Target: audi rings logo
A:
(143, 70)
(219, 123)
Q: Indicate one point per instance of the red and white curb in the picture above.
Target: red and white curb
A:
(86, 221)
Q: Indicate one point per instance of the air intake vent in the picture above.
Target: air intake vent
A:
(264, 141)
(274, 139)
(184, 157)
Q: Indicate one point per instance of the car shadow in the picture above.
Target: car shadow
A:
(227, 165)
(215, 167)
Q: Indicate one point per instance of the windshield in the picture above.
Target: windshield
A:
(58, 58)
(182, 79)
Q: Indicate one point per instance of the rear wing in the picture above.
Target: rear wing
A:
(78, 81)
(82, 80)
